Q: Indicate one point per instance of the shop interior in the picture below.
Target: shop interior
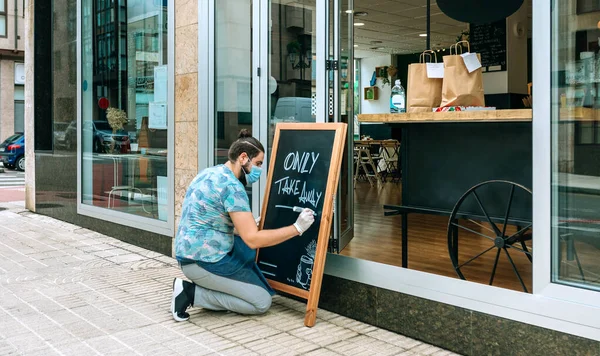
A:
(395, 37)
(391, 37)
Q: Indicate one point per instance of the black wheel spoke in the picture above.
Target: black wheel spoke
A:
(510, 199)
(473, 231)
(479, 255)
(516, 271)
(520, 232)
(487, 216)
(495, 265)
(518, 249)
(481, 225)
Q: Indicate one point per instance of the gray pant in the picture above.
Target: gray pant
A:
(219, 293)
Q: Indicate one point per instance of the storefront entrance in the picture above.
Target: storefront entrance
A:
(278, 61)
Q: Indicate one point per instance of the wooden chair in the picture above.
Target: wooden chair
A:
(364, 161)
(390, 153)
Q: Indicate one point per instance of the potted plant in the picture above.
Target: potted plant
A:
(116, 119)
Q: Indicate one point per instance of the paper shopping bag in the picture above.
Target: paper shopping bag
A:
(423, 93)
(461, 88)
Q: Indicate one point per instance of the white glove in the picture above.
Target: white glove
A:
(257, 221)
(305, 220)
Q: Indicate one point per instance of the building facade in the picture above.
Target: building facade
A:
(142, 94)
(12, 67)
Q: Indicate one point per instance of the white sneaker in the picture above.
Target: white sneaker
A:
(179, 301)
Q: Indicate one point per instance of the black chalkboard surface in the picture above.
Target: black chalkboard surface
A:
(489, 40)
(303, 173)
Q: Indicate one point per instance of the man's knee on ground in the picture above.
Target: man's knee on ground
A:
(263, 304)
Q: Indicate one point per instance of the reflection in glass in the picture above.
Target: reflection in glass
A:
(124, 106)
(292, 47)
(575, 147)
(233, 74)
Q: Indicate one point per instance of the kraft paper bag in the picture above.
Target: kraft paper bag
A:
(423, 93)
(461, 88)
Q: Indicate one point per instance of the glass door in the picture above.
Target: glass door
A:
(292, 73)
(340, 108)
(307, 79)
(288, 66)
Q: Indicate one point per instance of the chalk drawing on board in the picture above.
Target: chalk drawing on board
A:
(305, 266)
(274, 267)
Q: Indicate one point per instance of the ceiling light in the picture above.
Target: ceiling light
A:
(423, 35)
(355, 45)
(349, 11)
(359, 24)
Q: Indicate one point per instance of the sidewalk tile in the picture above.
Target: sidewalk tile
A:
(71, 291)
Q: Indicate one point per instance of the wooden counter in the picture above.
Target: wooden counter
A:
(516, 115)
(520, 115)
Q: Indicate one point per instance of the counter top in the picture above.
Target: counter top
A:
(518, 115)
(515, 115)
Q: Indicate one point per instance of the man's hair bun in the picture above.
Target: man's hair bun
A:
(244, 133)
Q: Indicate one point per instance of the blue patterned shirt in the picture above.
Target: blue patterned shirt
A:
(206, 231)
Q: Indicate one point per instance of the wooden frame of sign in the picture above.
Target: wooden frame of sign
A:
(326, 218)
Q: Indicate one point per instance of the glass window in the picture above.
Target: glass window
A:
(124, 106)
(293, 75)
(576, 143)
(233, 73)
(2, 22)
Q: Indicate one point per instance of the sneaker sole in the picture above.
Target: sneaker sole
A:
(175, 294)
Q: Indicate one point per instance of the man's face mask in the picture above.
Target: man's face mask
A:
(252, 174)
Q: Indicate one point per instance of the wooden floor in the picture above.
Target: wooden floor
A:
(378, 238)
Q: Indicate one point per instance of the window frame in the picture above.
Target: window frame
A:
(166, 228)
(545, 106)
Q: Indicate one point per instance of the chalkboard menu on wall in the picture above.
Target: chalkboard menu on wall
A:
(303, 173)
(489, 40)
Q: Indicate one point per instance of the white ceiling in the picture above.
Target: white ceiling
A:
(398, 23)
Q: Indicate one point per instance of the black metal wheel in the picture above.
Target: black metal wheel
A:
(491, 216)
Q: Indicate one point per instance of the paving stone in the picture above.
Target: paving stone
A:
(66, 290)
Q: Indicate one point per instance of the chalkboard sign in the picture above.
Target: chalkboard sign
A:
(489, 40)
(303, 172)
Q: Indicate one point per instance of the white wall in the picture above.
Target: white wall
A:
(516, 51)
(367, 67)
(514, 79)
(496, 82)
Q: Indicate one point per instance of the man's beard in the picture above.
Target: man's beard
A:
(242, 179)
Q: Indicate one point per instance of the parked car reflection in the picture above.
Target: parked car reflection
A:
(12, 152)
(104, 140)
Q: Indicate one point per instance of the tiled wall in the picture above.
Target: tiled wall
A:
(186, 98)
(464, 331)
